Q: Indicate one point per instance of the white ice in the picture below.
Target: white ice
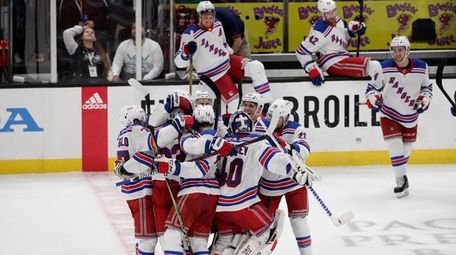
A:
(83, 213)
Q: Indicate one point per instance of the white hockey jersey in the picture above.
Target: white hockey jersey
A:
(212, 56)
(329, 42)
(131, 140)
(400, 89)
(241, 173)
(195, 145)
(293, 133)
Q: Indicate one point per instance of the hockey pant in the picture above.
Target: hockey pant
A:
(240, 68)
(143, 217)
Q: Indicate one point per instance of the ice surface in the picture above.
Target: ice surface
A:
(83, 213)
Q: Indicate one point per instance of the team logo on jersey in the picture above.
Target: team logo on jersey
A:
(94, 102)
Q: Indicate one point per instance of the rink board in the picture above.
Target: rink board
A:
(51, 129)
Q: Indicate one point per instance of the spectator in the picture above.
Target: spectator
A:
(235, 32)
(91, 63)
(124, 63)
(86, 12)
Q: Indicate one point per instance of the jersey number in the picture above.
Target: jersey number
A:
(234, 175)
(313, 40)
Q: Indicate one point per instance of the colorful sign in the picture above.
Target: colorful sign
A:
(94, 107)
(384, 20)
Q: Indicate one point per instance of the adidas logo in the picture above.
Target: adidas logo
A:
(94, 102)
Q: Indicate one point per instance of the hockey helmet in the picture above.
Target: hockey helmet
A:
(130, 113)
(326, 5)
(205, 6)
(240, 122)
(399, 41)
(202, 95)
(254, 98)
(280, 107)
(204, 114)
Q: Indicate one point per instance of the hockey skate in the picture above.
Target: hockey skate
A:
(402, 185)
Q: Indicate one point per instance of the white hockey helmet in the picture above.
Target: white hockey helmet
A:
(254, 98)
(400, 41)
(240, 122)
(204, 114)
(128, 115)
(205, 6)
(326, 5)
(202, 94)
(280, 107)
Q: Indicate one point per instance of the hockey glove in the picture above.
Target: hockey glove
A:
(304, 176)
(224, 148)
(167, 166)
(315, 74)
(190, 48)
(453, 110)
(357, 27)
(182, 122)
(120, 171)
(373, 100)
(423, 101)
(174, 101)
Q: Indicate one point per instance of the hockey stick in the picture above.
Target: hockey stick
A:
(337, 221)
(190, 75)
(361, 8)
(260, 138)
(438, 81)
(218, 97)
(141, 89)
(179, 217)
(240, 93)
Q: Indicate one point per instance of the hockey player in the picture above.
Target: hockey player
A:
(204, 44)
(197, 197)
(239, 206)
(328, 38)
(292, 137)
(202, 97)
(252, 104)
(401, 91)
(133, 139)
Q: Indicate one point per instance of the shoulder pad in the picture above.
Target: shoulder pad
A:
(387, 63)
(320, 26)
(419, 63)
(191, 29)
(211, 132)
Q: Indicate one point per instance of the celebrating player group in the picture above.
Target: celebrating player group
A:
(184, 179)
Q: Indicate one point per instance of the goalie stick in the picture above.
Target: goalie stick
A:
(218, 97)
(337, 221)
(438, 81)
(141, 89)
(361, 19)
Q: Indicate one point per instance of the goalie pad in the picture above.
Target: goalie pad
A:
(258, 245)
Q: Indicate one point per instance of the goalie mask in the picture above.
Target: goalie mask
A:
(240, 123)
(204, 114)
(130, 114)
